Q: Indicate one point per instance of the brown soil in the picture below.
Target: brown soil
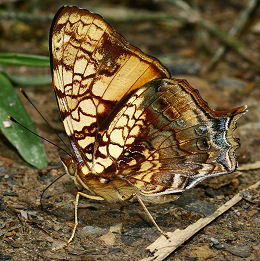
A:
(115, 232)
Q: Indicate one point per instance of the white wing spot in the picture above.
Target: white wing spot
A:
(115, 150)
(117, 136)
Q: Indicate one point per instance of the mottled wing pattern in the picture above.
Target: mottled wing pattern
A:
(131, 131)
(94, 71)
(166, 139)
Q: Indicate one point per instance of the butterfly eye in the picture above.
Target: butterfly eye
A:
(72, 169)
(203, 144)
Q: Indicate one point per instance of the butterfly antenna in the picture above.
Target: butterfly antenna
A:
(57, 134)
(20, 124)
(41, 199)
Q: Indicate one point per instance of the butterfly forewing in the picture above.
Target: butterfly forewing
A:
(94, 70)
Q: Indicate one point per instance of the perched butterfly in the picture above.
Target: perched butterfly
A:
(135, 131)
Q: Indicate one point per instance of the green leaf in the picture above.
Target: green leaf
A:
(28, 145)
(28, 80)
(24, 60)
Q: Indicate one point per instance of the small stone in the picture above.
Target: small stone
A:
(109, 238)
(203, 252)
(56, 244)
(32, 213)
(214, 240)
(93, 230)
(49, 239)
(54, 171)
(220, 197)
(24, 214)
(237, 212)
(116, 228)
(235, 182)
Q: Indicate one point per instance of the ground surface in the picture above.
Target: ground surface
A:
(114, 232)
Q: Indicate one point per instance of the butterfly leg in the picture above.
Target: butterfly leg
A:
(150, 216)
(76, 216)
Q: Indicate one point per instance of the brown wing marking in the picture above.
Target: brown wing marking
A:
(166, 132)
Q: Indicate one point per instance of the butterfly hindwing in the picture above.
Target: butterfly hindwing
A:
(166, 138)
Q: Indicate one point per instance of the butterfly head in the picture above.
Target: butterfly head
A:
(72, 168)
(70, 165)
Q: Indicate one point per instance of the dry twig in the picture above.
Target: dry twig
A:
(163, 247)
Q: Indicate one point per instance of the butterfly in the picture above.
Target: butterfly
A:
(135, 131)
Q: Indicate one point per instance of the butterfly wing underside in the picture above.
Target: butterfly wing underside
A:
(132, 132)
(94, 70)
(166, 139)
